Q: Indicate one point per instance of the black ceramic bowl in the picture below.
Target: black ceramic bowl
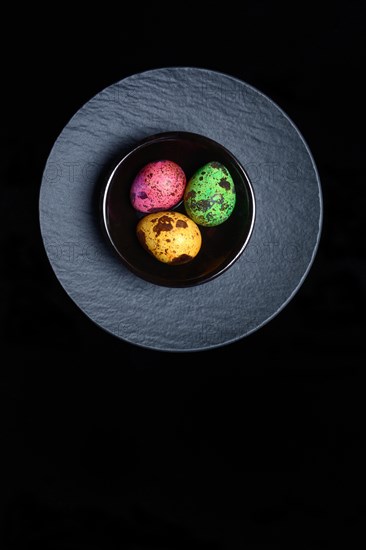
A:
(221, 245)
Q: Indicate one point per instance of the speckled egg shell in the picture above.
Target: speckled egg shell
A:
(210, 196)
(158, 186)
(171, 237)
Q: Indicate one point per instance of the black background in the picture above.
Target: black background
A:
(254, 445)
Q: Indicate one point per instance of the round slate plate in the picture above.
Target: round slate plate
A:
(288, 209)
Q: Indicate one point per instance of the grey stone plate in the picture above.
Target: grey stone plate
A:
(288, 209)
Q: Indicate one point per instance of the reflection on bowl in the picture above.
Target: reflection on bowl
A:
(221, 245)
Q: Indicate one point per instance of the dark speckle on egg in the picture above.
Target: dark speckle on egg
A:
(163, 224)
(142, 238)
(225, 184)
(182, 259)
(181, 223)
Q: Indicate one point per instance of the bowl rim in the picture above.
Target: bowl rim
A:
(166, 136)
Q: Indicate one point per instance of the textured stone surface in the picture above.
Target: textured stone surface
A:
(288, 201)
